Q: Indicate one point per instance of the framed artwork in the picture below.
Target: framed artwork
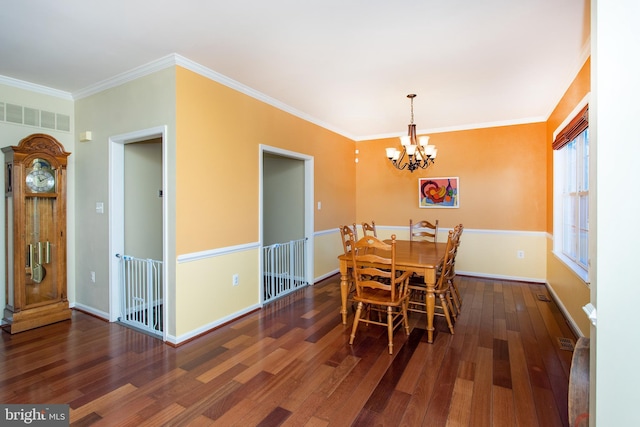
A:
(439, 192)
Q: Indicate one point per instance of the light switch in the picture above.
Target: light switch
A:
(99, 207)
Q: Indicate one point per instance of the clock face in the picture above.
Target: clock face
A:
(40, 178)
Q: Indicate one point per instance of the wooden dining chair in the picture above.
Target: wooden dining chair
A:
(369, 229)
(349, 238)
(347, 234)
(455, 292)
(443, 304)
(379, 286)
(423, 230)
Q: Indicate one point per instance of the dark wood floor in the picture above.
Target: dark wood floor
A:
(290, 364)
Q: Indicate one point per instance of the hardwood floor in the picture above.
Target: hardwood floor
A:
(290, 364)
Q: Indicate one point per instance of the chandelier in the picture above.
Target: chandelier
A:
(416, 151)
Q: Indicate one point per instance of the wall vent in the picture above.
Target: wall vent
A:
(566, 343)
(48, 120)
(31, 117)
(13, 113)
(63, 122)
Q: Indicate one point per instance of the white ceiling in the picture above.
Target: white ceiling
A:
(348, 64)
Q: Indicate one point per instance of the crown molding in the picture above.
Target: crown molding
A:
(127, 76)
(235, 85)
(175, 59)
(471, 126)
(32, 87)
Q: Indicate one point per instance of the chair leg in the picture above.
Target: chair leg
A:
(445, 309)
(390, 328)
(456, 294)
(356, 319)
(452, 309)
(405, 316)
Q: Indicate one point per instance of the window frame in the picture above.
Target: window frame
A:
(570, 139)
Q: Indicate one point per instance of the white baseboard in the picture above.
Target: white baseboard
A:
(209, 327)
(324, 276)
(565, 313)
(501, 277)
(90, 310)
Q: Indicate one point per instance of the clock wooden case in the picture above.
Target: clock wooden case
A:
(36, 233)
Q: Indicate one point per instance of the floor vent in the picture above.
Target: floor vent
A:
(566, 343)
(543, 297)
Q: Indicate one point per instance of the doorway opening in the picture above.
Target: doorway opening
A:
(138, 229)
(286, 222)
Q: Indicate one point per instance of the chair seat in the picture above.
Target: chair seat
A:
(377, 296)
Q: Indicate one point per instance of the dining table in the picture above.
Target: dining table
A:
(420, 257)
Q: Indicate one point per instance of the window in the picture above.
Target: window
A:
(571, 194)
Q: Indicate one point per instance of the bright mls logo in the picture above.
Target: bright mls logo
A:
(34, 415)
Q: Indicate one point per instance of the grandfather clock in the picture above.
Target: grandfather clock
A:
(36, 233)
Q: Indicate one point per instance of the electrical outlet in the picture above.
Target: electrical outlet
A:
(521, 254)
(236, 280)
(93, 277)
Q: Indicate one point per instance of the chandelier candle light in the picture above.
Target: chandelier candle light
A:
(416, 151)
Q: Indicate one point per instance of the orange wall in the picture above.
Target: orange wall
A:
(502, 173)
(580, 86)
(218, 132)
(570, 289)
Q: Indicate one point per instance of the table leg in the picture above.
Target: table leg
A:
(344, 290)
(430, 281)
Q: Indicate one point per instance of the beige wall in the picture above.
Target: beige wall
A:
(142, 204)
(283, 214)
(205, 295)
(147, 102)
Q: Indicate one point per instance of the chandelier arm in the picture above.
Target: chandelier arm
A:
(398, 162)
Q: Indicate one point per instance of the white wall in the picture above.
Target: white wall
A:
(615, 351)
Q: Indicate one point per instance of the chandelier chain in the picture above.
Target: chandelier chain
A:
(411, 96)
